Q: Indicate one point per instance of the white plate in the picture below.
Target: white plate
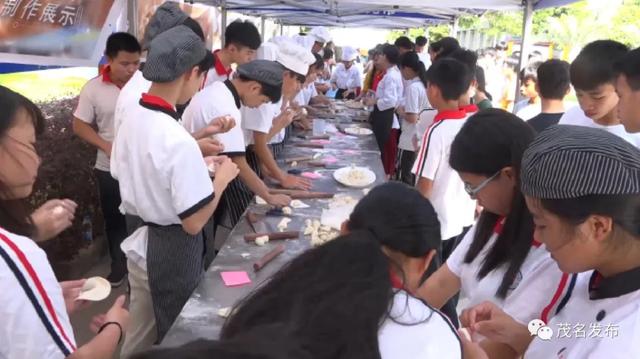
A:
(356, 105)
(95, 289)
(365, 177)
(358, 131)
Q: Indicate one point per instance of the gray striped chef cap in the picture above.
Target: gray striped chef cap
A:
(566, 162)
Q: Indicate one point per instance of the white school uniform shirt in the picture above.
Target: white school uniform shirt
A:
(129, 97)
(526, 110)
(162, 175)
(425, 120)
(415, 100)
(575, 116)
(215, 100)
(453, 205)
(347, 79)
(425, 59)
(531, 295)
(35, 323)
(217, 73)
(432, 335)
(586, 328)
(97, 105)
(260, 119)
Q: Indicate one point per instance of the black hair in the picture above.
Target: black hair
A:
(452, 77)
(404, 42)
(412, 61)
(121, 41)
(421, 41)
(262, 342)
(482, 82)
(629, 66)
(327, 54)
(195, 27)
(553, 79)
(14, 213)
(335, 312)
(242, 34)
(206, 63)
(594, 66)
(530, 72)
(391, 53)
(623, 209)
(467, 57)
(489, 141)
(444, 46)
(274, 93)
(319, 64)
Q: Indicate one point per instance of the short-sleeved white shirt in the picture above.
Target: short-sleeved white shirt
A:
(415, 100)
(218, 73)
(347, 79)
(538, 280)
(526, 110)
(425, 120)
(162, 175)
(35, 323)
(576, 117)
(304, 96)
(97, 105)
(129, 97)
(453, 205)
(215, 100)
(425, 59)
(608, 327)
(430, 336)
(260, 119)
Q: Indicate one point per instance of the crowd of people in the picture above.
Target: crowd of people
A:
(490, 221)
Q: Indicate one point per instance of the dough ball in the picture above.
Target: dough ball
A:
(262, 240)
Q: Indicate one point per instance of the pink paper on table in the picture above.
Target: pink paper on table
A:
(329, 159)
(320, 142)
(234, 279)
(311, 175)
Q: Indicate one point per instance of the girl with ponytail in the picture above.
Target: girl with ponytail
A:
(415, 101)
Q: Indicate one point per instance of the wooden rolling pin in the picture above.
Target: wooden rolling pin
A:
(268, 258)
(251, 237)
(299, 194)
(298, 159)
(309, 145)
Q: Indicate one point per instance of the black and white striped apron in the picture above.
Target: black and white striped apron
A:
(253, 160)
(175, 266)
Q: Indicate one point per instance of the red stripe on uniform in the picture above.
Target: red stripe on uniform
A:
(39, 286)
(545, 312)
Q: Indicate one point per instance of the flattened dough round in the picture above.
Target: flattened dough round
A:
(95, 289)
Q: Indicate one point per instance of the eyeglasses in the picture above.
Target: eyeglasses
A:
(473, 191)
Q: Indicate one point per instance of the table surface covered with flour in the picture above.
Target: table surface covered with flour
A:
(199, 317)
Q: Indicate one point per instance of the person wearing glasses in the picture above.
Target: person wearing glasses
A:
(498, 260)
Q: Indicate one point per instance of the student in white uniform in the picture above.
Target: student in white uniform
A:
(469, 58)
(346, 77)
(388, 95)
(258, 83)
(531, 106)
(415, 101)
(309, 95)
(165, 182)
(34, 306)
(582, 190)
(498, 260)
(96, 106)
(628, 90)
(366, 309)
(264, 126)
(421, 50)
(241, 42)
(593, 78)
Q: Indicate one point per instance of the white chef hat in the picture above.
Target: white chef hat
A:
(321, 34)
(305, 41)
(349, 53)
(293, 56)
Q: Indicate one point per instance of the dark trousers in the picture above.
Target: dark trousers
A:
(341, 92)
(114, 221)
(381, 123)
(405, 164)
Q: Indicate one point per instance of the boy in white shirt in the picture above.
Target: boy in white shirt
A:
(448, 80)
(165, 182)
(628, 90)
(593, 78)
(96, 107)
(531, 105)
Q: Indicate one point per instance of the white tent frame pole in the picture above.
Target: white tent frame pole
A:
(132, 18)
(223, 21)
(454, 28)
(525, 46)
(262, 28)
